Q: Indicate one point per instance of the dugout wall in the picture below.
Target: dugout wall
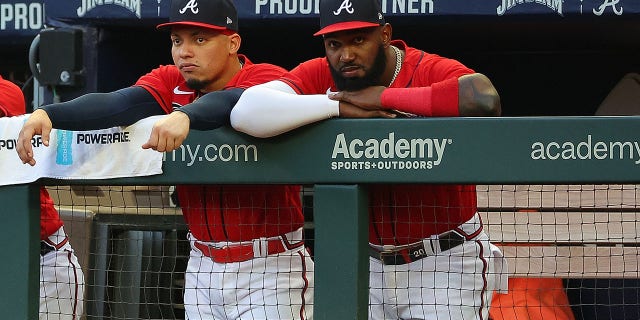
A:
(475, 153)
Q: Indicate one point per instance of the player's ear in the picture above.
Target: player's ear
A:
(234, 43)
(385, 34)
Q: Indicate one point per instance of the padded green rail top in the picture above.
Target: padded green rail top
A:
(338, 156)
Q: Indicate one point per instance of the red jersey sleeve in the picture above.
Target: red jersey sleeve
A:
(310, 77)
(160, 82)
(11, 99)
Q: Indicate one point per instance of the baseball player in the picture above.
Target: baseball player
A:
(61, 278)
(248, 259)
(430, 258)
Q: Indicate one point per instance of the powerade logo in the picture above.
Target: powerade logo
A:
(587, 149)
(390, 153)
(63, 152)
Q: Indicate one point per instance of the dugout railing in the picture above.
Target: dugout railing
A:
(339, 158)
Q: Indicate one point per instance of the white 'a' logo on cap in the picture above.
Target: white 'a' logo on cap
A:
(229, 21)
(346, 5)
(192, 5)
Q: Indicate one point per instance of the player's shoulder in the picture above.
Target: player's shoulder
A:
(9, 88)
(166, 69)
(427, 62)
(164, 75)
(320, 62)
(265, 67)
(248, 65)
(163, 72)
(12, 100)
(421, 57)
(253, 74)
(261, 72)
(312, 66)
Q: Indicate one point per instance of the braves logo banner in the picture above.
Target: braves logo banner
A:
(97, 154)
(261, 10)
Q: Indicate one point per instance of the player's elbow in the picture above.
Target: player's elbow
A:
(489, 105)
(241, 123)
(246, 118)
(478, 96)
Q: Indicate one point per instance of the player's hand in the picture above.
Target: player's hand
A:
(367, 98)
(38, 123)
(348, 110)
(169, 132)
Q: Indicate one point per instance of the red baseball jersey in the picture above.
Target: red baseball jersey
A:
(403, 213)
(229, 212)
(12, 104)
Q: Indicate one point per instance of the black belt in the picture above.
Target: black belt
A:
(417, 251)
(45, 248)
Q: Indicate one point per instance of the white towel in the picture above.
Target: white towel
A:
(98, 154)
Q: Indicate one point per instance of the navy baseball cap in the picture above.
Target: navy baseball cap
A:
(211, 14)
(340, 15)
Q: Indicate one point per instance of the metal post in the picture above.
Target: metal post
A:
(341, 252)
(20, 238)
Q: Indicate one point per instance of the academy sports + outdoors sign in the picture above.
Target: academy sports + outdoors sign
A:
(432, 150)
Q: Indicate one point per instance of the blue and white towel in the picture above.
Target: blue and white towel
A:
(98, 154)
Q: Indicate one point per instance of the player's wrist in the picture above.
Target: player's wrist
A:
(182, 113)
(333, 108)
(41, 112)
(445, 97)
(411, 100)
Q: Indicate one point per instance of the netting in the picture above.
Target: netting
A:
(572, 253)
(572, 250)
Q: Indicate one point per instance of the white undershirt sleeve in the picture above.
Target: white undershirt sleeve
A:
(273, 108)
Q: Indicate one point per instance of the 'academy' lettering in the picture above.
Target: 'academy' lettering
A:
(102, 138)
(555, 5)
(389, 147)
(311, 6)
(586, 150)
(88, 5)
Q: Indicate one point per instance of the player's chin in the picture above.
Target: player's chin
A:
(196, 83)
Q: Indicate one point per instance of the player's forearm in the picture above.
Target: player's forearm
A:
(103, 110)
(265, 112)
(212, 110)
(468, 95)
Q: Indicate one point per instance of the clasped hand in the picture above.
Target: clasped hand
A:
(363, 103)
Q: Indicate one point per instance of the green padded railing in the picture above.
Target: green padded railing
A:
(340, 157)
